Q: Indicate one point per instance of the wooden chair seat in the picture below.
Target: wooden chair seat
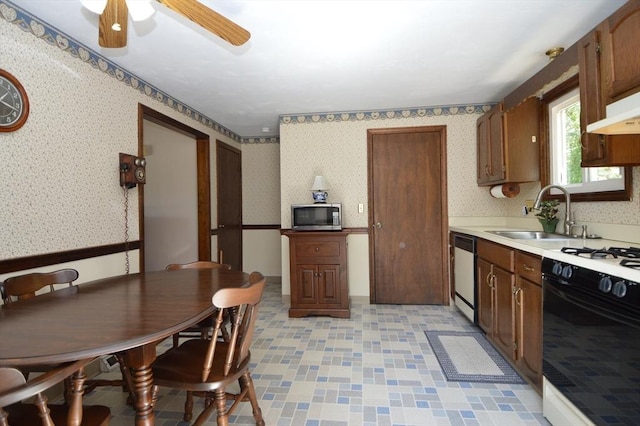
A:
(207, 367)
(14, 388)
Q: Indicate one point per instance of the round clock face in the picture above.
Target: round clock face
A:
(14, 105)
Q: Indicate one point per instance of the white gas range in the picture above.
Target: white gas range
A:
(619, 259)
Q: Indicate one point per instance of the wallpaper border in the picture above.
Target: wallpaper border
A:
(52, 36)
(331, 117)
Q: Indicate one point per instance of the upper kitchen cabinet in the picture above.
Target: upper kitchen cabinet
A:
(490, 146)
(620, 53)
(508, 149)
(609, 67)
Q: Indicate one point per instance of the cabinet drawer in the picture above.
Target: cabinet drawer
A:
(528, 266)
(317, 249)
(497, 254)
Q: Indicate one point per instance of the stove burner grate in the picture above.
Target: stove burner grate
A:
(593, 253)
(630, 263)
(628, 252)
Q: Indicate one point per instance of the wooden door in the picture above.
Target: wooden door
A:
(529, 322)
(408, 215)
(503, 327)
(620, 47)
(484, 304)
(591, 108)
(229, 175)
(306, 289)
(329, 284)
(496, 145)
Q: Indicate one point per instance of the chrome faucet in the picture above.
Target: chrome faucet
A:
(568, 222)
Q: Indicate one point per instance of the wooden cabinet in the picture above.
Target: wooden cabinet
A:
(619, 52)
(318, 264)
(609, 71)
(489, 140)
(495, 294)
(510, 305)
(508, 148)
(528, 317)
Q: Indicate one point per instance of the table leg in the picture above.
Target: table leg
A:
(139, 362)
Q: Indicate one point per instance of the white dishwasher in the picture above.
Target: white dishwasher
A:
(464, 272)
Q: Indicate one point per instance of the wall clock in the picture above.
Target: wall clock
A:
(14, 104)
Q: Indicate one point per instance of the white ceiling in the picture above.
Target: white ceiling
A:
(309, 56)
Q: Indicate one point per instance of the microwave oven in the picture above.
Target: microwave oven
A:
(316, 217)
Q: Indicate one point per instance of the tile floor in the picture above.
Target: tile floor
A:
(376, 368)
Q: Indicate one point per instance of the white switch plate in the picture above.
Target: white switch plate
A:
(360, 208)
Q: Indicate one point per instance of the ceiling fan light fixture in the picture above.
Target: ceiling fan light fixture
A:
(140, 10)
(95, 6)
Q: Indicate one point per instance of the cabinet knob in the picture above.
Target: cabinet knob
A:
(317, 249)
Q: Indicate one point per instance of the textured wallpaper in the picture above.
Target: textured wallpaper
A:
(338, 150)
(59, 176)
(335, 145)
(261, 184)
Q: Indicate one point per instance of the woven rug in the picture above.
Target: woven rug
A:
(469, 357)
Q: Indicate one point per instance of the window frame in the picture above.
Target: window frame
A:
(546, 158)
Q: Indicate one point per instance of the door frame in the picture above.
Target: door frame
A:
(203, 176)
(444, 225)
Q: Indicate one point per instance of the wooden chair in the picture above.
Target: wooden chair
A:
(15, 388)
(205, 327)
(25, 286)
(206, 367)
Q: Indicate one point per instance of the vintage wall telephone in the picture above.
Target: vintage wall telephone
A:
(132, 170)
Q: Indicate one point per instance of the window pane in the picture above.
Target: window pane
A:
(566, 153)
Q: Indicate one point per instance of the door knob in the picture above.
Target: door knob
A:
(220, 226)
(378, 225)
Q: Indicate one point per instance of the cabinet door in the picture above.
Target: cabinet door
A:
(591, 106)
(528, 299)
(496, 146)
(490, 147)
(600, 150)
(503, 329)
(329, 284)
(620, 50)
(484, 304)
(521, 128)
(482, 135)
(306, 291)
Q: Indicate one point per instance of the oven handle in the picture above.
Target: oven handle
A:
(599, 307)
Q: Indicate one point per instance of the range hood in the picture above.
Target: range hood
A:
(623, 118)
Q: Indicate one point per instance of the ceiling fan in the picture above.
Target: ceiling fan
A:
(113, 20)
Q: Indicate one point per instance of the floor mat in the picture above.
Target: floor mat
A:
(469, 357)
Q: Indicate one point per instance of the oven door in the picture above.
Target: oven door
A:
(591, 353)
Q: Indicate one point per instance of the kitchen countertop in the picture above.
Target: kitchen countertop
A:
(551, 249)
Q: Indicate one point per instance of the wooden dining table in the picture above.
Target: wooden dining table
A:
(127, 313)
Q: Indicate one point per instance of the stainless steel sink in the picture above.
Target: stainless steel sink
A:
(531, 235)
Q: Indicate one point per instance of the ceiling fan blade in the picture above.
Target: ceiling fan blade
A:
(209, 20)
(115, 15)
